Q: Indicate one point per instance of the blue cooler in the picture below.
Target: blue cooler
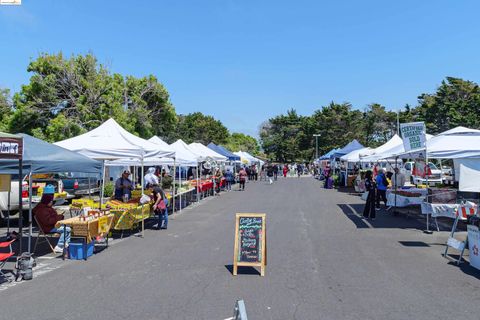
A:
(79, 250)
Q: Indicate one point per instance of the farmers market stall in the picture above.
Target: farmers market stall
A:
(12, 150)
(42, 157)
(110, 141)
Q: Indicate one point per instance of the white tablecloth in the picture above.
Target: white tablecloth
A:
(403, 201)
(439, 209)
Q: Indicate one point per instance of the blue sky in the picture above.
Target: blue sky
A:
(244, 61)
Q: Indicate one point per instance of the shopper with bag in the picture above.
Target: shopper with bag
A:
(369, 210)
(160, 207)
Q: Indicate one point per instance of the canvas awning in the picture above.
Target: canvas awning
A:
(223, 151)
(355, 156)
(43, 157)
(199, 148)
(351, 146)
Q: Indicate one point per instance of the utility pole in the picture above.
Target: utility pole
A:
(316, 144)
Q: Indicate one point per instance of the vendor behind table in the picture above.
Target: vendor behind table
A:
(124, 187)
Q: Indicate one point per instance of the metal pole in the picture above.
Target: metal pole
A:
(8, 208)
(198, 184)
(29, 210)
(20, 203)
(427, 168)
(89, 189)
(173, 189)
(102, 184)
(143, 220)
(179, 186)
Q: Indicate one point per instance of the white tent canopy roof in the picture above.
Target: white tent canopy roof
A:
(110, 141)
(456, 143)
(378, 152)
(355, 155)
(160, 142)
(184, 154)
(206, 152)
(248, 158)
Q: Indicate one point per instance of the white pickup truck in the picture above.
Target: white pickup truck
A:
(433, 179)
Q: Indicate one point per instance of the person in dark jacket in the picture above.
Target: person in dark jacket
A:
(229, 179)
(369, 210)
(47, 217)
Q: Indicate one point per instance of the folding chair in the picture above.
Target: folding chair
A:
(5, 256)
(45, 236)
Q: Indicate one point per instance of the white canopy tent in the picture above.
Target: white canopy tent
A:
(247, 158)
(355, 155)
(159, 141)
(390, 153)
(206, 152)
(456, 143)
(110, 141)
(395, 141)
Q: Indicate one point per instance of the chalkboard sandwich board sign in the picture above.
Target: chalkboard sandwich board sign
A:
(250, 241)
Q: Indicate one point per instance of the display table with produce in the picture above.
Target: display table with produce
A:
(128, 215)
(98, 223)
(406, 197)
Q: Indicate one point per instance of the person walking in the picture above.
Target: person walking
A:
(285, 171)
(242, 177)
(229, 179)
(270, 173)
(275, 172)
(369, 209)
(160, 207)
(382, 184)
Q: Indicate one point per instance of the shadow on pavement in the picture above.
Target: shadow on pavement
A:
(414, 244)
(243, 270)
(384, 219)
(351, 213)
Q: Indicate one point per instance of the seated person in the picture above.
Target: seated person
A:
(47, 217)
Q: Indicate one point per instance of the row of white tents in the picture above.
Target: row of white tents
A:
(116, 146)
(457, 143)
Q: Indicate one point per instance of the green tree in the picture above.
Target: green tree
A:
(197, 127)
(379, 125)
(68, 96)
(287, 138)
(5, 109)
(337, 124)
(455, 103)
(240, 141)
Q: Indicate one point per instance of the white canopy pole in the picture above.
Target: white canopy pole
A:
(198, 183)
(143, 220)
(173, 189)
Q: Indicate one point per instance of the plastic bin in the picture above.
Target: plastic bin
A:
(79, 250)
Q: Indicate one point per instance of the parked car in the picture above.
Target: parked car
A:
(433, 179)
(78, 184)
(38, 181)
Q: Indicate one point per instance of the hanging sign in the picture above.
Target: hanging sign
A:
(413, 135)
(11, 148)
(103, 224)
(250, 241)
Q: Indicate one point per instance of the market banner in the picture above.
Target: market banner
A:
(11, 148)
(413, 135)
